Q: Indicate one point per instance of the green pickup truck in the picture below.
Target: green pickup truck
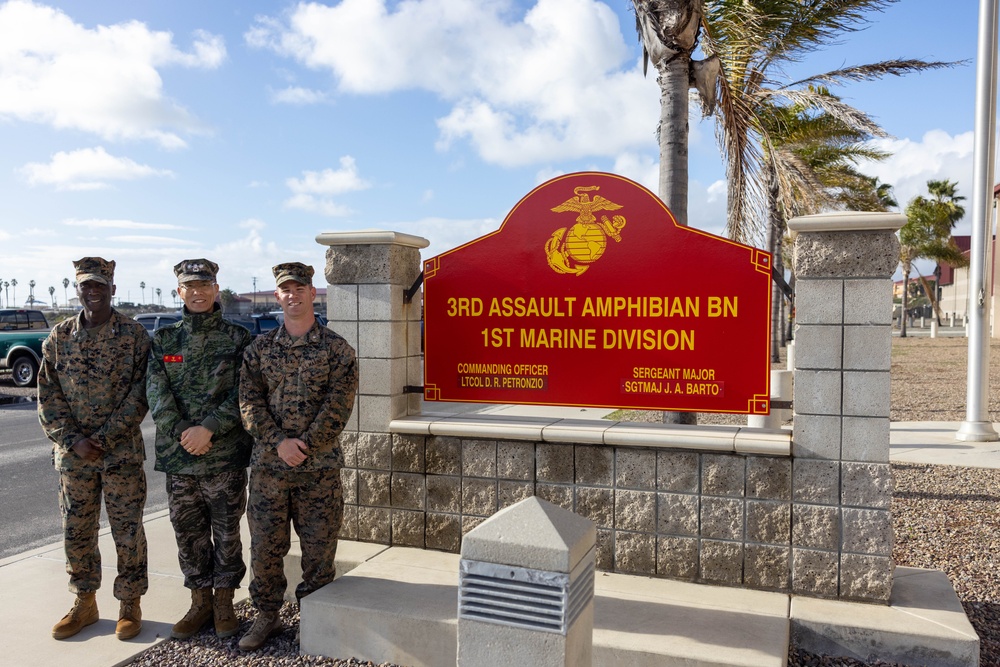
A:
(21, 336)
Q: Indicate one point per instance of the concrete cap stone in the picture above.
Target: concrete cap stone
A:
(534, 534)
(371, 237)
(842, 221)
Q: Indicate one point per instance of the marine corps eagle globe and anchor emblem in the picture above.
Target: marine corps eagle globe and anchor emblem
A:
(574, 249)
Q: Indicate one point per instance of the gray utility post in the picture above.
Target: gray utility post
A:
(526, 588)
(977, 426)
(842, 482)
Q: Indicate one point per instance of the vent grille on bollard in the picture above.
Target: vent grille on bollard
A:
(522, 597)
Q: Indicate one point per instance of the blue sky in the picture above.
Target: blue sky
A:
(148, 132)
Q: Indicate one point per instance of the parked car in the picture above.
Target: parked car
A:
(21, 335)
(154, 321)
(255, 324)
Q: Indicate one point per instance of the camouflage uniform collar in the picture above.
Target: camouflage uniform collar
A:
(113, 325)
(308, 338)
(198, 321)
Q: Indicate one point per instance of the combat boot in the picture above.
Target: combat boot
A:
(129, 619)
(196, 617)
(83, 613)
(226, 623)
(266, 625)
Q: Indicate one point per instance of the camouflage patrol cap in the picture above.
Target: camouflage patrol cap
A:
(189, 270)
(97, 269)
(297, 271)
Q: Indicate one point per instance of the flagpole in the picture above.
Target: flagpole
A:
(977, 426)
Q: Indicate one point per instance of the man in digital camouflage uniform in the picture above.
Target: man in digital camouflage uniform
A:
(297, 391)
(193, 391)
(91, 401)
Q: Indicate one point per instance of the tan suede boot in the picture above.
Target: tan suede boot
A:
(266, 625)
(83, 613)
(196, 617)
(226, 623)
(129, 619)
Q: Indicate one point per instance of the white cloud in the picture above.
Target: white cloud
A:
(321, 205)
(936, 156)
(252, 223)
(155, 240)
(87, 169)
(313, 191)
(297, 95)
(95, 223)
(103, 80)
(589, 97)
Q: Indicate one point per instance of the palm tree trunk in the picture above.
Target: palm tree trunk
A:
(673, 135)
(775, 233)
(929, 293)
(906, 299)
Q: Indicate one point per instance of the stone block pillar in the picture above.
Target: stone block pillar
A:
(841, 479)
(368, 275)
(526, 588)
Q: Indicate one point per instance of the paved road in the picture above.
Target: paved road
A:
(29, 504)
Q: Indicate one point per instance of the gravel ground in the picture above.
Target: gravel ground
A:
(944, 517)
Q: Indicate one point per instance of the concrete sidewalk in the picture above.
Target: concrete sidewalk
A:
(33, 585)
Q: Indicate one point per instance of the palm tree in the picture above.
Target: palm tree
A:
(52, 297)
(754, 40)
(65, 294)
(669, 31)
(818, 156)
(927, 234)
(142, 286)
(31, 292)
(159, 298)
(13, 282)
(173, 294)
(6, 289)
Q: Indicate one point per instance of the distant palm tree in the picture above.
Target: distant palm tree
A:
(13, 283)
(173, 293)
(158, 295)
(31, 292)
(52, 296)
(927, 234)
(65, 295)
(142, 286)
(6, 289)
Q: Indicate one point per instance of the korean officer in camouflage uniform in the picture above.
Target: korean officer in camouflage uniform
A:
(297, 391)
(91, 401)
(193, 391)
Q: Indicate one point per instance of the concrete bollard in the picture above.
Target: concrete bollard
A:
(951, 319)
(923, 324)
(526, 588)
(781, 390)
(790, 352)
(934, 327)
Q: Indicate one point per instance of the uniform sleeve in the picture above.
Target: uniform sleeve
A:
(54, 413)
(339, 403)
(128, 415)
(162, 404)
(226, 416)
(254, 410)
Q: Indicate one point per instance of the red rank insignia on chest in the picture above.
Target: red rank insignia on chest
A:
(172, 358)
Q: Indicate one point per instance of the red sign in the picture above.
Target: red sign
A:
(591, 294)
